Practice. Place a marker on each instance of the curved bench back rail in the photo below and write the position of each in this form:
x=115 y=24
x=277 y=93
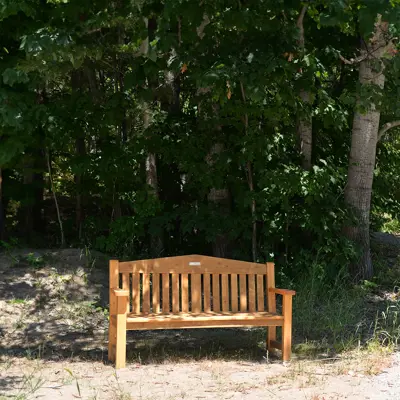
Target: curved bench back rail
x=194 y=284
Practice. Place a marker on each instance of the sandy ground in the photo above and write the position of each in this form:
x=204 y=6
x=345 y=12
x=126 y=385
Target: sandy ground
x=195 y=380
x=53 y=345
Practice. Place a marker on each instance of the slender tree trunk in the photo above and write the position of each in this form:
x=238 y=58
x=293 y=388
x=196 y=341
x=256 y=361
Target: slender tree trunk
x=219 y=199
x=250 y=182
x=31 y=210
x=80 y=148
x=156 y=241
x=77 y=82
x=304 y=121
x=55 y=199
x=304 y=131
x=363 y=151
x=2 y=211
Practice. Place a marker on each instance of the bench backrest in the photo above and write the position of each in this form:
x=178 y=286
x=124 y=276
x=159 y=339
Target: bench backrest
x=194 y=284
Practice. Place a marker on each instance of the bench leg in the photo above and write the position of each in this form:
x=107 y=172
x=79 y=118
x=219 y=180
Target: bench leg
x=120 y=345
x=112 y=336
x=271 y=336
x=120 y=353
x=287 y=328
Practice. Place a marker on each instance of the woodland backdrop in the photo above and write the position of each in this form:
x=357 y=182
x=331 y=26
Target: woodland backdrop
x=251 y=129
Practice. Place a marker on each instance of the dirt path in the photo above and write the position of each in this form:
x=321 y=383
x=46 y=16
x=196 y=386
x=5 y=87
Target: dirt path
x=195 y=380
x=53 y=343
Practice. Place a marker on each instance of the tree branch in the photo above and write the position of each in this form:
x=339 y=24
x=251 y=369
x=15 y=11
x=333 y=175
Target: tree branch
x=353 y=61
x=386 y=127
x=201 y=27
x=300 y=25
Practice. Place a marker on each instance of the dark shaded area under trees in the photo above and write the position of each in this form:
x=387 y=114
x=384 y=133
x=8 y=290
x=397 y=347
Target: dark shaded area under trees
x=156 y=128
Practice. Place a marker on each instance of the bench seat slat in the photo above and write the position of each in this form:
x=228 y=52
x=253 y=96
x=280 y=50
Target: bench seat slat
x=203 y=317
x=202 y=320
x=210 y=315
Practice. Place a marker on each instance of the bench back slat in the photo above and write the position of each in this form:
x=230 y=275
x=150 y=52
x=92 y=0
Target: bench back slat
x=225 y=292
x=196 y=293
x=155 y=285
x=175 y=293
x=216 y=303
x=243 y=292
x=185 y=292
x=207 y=292
x=135 y=293
x=146 y=294
x=234 y=292
x=252 y=292
x=260 y=293
x=196 y=290
x=165 y=294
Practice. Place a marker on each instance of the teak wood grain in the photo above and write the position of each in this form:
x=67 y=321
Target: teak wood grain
x=195 y=292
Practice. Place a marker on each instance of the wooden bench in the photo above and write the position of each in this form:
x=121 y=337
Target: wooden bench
x=195 y=292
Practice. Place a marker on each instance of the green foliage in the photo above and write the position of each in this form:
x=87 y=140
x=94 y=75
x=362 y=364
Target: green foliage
x=77 y=84
x=338 y=312
x=34 y=260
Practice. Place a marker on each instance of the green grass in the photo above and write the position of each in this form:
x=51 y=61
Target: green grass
x=17 y=301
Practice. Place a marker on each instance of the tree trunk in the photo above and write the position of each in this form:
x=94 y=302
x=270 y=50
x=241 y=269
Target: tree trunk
x=32 y=204
x=77 y=82
x=2 y=213
x=304 y=121
x=156 y=241
x=80 y=148
x=250 y=182
x=363 y=150
x=304 y=132
x=219 y=199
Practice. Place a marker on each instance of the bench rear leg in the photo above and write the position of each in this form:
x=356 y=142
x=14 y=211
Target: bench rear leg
x=112 y=329
x=112 y=336
x=271 y=336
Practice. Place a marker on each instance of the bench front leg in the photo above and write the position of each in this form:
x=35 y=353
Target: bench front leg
x=122 y=311
x=112 y=328
x=287 y=327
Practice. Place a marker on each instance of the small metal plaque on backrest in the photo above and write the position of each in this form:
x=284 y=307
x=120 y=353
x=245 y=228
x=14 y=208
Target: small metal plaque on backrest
x=194 y=263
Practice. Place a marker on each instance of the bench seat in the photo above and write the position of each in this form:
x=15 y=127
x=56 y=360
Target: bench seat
x=202 y=320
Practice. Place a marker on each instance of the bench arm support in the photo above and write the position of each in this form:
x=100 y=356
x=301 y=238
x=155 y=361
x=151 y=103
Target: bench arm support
x=286 y=344
x=122 y=300
x=120 y=292
x=283 y=292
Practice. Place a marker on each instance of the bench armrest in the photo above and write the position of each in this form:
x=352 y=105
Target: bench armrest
x=283 y=292
x=120 y=292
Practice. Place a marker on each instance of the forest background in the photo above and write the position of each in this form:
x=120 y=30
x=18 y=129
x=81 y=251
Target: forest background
x=257 y=130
